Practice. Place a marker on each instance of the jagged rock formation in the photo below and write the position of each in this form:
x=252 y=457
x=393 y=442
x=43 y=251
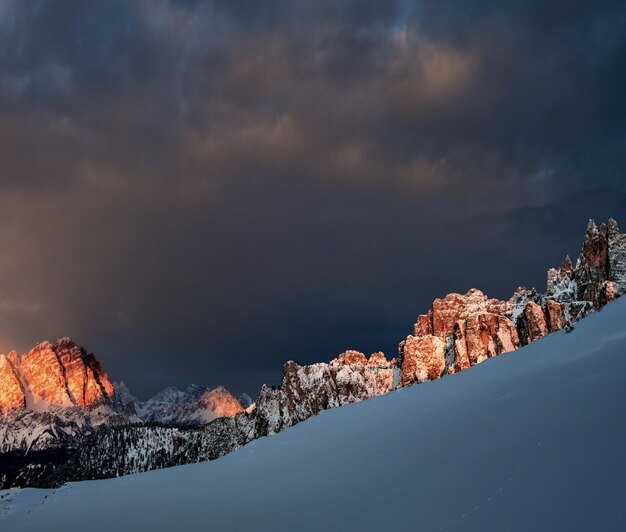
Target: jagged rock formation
x=459 y=331
x=61 y=374
x=616 y=241
x=593 y=265
x=456 y=333
x=307 y=390
x=482 y=336
x=556 y=316
x=462 y=330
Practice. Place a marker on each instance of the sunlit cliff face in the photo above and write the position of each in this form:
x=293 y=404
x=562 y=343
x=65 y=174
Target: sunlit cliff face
x=58 y=374
x=11 y=394
x=221 y=402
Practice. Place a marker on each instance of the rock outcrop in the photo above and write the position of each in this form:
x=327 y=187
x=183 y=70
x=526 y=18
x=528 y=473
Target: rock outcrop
x=307 y=390
x=532 y=324
x=423 y=359
x=350 y=357
x=444 y=313
x=593 y=264
x=485 y=335
x=461 y=330
x=556 y=316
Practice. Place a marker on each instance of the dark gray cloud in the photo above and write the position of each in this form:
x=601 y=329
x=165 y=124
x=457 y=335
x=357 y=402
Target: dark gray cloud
x=199 y=191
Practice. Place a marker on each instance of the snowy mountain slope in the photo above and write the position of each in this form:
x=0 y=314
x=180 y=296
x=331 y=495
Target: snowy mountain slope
x=530 y=440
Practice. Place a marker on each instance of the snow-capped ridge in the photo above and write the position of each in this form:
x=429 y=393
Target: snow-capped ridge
x=456 y=333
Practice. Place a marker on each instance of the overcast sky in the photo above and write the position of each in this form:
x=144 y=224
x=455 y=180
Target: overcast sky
x=200 y=191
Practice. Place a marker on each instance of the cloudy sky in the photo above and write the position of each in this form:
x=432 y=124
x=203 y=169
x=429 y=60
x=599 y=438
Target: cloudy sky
x=200 y=191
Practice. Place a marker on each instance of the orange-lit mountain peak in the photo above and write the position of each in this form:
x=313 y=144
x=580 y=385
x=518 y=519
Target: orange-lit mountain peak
x=221 y=402
x=52 y=374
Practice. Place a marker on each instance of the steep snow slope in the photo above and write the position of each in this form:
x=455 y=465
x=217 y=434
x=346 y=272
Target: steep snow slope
x=530 y=440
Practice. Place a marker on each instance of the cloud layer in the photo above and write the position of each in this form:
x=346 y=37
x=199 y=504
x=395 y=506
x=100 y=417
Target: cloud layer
x=199 y=191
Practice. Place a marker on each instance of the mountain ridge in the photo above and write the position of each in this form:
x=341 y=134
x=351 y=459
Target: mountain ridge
x=531 y=440
x=457 y=332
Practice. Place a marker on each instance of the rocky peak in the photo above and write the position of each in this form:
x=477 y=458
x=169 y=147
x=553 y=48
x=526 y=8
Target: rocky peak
x=350 y=357
x=378 y=360
x=592 y=267
x=445 y=312
x=59 y=374
x=221 y=402
x=567 y=268
x=563 y=274
x=44 y=377
x=617 y=257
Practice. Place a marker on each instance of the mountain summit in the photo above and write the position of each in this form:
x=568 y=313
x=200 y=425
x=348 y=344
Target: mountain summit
x=61 y=374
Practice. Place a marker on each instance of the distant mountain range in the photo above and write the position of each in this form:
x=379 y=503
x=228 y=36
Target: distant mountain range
x=61 y=419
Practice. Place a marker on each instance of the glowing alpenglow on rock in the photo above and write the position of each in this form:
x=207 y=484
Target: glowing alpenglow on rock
x=11 y=393
x=471 y=328
x=59 y=374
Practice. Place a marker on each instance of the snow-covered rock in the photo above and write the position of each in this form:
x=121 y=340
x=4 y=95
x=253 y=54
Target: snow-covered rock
x=307 y=390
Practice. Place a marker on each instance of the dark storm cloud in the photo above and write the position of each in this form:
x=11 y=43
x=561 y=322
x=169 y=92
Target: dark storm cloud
x=199 y=191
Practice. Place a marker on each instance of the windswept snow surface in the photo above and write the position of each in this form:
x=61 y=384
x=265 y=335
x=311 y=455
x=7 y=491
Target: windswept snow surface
x=530 y=440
